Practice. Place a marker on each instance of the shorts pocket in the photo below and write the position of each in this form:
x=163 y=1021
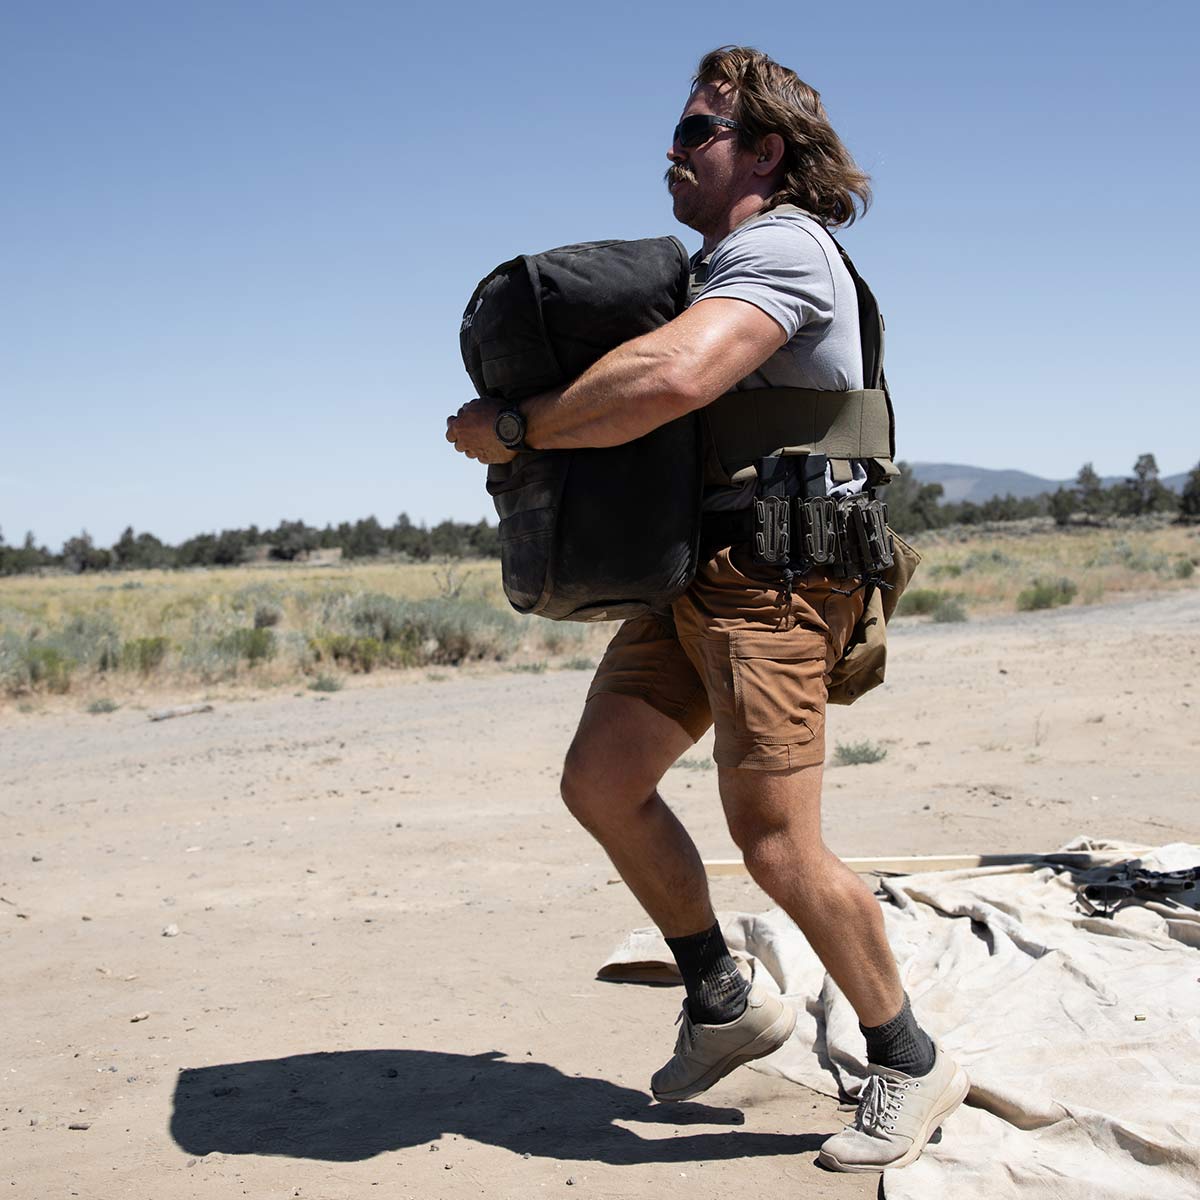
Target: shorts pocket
x=778 y=685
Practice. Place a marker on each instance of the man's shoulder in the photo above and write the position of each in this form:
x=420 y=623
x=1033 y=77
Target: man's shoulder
x=790 y=238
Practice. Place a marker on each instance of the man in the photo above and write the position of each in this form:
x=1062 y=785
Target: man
x=744 y=648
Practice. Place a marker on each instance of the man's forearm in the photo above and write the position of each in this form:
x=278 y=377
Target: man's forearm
x=635 y=388
x=652 y=379
x=630 y=391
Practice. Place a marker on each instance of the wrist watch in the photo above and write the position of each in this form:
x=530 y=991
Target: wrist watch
x=510 y=429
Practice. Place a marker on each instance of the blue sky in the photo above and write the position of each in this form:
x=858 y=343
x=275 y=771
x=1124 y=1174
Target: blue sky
x=238 y=238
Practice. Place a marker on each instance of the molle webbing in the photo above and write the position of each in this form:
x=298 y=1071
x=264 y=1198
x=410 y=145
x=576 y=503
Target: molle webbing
x=746 y=426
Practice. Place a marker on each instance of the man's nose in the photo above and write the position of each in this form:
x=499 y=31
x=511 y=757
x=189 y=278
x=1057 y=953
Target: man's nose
x=675 y=155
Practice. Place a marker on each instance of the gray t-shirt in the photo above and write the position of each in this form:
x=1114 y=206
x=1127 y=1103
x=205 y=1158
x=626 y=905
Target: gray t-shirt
x=785 y=264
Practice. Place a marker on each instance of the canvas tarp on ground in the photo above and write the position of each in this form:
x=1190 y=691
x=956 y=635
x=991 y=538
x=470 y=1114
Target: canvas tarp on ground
x=1081 y=1034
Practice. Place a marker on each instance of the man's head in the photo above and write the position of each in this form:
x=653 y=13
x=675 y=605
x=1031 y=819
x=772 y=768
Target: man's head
x=775 y=146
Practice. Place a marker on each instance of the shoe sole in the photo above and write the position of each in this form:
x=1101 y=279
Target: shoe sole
x=960 y=1085
x=766 y=1043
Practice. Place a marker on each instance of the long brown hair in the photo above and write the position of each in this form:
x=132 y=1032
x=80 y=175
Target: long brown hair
x=819 y=174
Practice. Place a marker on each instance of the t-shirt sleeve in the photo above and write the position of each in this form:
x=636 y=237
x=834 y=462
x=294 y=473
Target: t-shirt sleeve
x=778 y=267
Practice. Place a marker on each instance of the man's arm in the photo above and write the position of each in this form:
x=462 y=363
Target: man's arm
x=642 y=384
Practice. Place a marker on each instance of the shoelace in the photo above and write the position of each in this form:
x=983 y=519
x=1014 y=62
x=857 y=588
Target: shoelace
x=879 y=1104
x=683 y=1043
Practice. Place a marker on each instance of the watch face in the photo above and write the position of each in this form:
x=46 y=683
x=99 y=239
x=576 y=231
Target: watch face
x=510 y=429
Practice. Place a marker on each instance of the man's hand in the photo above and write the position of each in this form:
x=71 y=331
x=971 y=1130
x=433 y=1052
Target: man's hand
x=472 y=430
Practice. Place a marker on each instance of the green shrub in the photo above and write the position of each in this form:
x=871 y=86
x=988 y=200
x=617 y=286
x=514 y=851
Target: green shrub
x=850 y=754
x=557 y=636
x=1046 y=593
x=26 y=664
x=949 y=610
x=986 y=560
x=1133 y=557
x=579 y=664
x=266 y=615
x=49 y=666
x=949 y=570
x=918 y=602
x=384 y=618
x=254 y=645
x=144 y=654
x=533 y=668
x=353 y=653
x=441 y=630
x=92 y=641
x=1184 y=568
x=103 y=705
x=325 y=683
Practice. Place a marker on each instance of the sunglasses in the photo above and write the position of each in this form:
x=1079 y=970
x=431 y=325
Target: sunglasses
x=695 y=130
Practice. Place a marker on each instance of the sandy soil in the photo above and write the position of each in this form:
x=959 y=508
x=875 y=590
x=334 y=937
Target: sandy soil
x=387 y=928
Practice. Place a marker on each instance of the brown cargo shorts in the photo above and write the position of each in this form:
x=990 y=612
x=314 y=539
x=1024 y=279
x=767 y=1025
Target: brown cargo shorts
x=734 y=652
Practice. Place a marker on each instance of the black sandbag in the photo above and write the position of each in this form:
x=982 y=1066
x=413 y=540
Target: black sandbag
x=539 y=320
x=594 y=534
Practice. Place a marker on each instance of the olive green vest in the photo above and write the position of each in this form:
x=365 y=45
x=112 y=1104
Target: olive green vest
x=742 y=427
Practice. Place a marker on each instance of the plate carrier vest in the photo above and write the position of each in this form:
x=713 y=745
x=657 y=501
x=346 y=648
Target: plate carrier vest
x=741 y=427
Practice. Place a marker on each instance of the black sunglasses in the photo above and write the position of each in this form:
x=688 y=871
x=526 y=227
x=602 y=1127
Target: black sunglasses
x=695 y=130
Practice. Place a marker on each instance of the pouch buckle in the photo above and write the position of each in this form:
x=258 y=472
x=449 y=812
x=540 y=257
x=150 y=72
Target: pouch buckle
x=818 y=530
x=772 y=529
x=877 y=545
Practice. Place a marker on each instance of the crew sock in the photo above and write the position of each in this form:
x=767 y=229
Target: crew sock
x=900 y=1044
x=716 y=990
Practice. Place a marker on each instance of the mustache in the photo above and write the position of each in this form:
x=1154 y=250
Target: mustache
x=677 y=173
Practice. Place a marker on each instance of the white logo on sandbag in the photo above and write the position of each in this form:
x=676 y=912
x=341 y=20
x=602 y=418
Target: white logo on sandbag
x=466 y=321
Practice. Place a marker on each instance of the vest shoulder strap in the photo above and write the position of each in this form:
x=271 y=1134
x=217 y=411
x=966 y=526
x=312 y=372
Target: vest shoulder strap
x=743 y=427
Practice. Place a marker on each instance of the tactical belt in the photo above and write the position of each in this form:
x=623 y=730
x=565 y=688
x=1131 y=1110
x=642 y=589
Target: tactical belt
x=846 y=537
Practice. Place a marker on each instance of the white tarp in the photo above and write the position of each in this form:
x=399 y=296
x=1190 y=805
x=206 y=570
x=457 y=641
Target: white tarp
x=1081 y=1034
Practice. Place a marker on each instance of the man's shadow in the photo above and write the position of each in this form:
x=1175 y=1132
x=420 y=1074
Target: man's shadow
x=354 y=1104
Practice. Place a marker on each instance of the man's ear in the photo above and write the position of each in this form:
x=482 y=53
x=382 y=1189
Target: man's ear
x=770 y=155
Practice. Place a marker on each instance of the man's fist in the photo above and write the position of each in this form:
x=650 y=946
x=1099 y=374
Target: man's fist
x=472 y=431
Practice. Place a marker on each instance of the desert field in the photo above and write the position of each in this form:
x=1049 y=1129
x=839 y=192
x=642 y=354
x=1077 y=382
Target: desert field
x=318 y=941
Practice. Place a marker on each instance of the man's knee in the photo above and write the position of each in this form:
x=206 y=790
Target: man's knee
x=777 y=849
x=580 y=787
x=598 y=787
x=620 y=752
x=769 y=853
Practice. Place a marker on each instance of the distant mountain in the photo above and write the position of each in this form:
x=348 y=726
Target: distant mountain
x=978 y=484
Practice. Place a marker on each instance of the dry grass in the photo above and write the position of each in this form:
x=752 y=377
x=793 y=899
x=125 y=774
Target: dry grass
x=988 y=569
x=130 y=632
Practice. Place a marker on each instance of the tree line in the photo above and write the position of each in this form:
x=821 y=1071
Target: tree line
x=912 y=507
x=289 y=541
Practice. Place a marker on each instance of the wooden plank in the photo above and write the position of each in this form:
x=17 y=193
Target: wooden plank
x=916 y=863
x=183 y=710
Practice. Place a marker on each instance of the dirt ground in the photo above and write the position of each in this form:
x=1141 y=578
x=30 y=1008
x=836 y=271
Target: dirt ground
x=309 y=946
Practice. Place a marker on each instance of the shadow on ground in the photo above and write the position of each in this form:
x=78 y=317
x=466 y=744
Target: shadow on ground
x=354 y=1104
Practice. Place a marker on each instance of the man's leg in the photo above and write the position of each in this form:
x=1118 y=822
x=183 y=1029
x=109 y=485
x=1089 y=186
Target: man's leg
x=623 y=747
x=610 y=783
x=775 y=819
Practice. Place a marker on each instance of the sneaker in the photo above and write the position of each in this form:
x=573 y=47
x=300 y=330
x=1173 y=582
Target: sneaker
x=897 y=1114
x=706 y=1053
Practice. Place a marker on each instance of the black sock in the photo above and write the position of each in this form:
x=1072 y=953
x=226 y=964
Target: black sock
x=716 y=989
x=900 y=1044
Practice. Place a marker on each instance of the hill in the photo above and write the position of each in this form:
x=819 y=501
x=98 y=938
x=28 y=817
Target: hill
x=977 y=484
